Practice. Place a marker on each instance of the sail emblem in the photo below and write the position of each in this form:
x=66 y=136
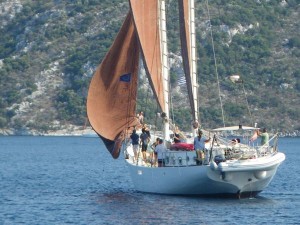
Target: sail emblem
x=125 y=77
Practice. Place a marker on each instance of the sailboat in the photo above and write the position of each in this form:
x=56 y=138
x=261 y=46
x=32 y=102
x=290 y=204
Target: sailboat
x=242 y=170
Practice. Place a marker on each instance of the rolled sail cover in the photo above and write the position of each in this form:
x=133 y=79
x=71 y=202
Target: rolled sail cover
x=111 y=100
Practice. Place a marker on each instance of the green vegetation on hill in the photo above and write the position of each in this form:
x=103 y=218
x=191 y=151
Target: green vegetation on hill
x=257 y=39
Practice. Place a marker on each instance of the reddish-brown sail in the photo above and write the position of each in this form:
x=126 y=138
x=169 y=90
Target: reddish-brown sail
x=146 y=20
x=111 y=101
x=185 y=37
x=112 y=94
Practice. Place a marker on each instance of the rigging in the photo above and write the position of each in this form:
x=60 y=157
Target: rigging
x=215 y=61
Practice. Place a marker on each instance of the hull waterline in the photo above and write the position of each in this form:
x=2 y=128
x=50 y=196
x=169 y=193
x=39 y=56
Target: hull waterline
x=202 y=180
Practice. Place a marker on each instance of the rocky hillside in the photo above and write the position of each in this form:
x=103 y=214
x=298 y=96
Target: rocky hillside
x=50 y=49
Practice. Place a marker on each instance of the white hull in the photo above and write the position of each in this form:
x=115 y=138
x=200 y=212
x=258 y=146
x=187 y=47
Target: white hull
x=234 y=178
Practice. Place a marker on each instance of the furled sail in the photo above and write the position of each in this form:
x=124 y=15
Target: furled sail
x=188 y=50
x=146 y=19
x=111 y=101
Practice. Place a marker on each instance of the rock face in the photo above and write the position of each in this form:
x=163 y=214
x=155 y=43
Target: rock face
x=7 y=132
x=8 y=9
x=52 y=49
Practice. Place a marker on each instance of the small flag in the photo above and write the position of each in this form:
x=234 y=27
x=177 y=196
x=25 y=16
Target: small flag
x=125 y=77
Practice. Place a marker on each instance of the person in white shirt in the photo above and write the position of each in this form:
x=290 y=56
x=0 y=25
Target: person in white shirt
x=199 y=146
x=160 y=150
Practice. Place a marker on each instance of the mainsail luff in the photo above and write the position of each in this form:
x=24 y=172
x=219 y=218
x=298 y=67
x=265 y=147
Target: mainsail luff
x=111 y=101
x=188 y=50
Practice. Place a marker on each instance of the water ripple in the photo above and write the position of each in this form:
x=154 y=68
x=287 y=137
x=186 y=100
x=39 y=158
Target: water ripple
x=46 y=180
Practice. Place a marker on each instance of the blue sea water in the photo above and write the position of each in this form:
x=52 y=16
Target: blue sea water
x=73 y=180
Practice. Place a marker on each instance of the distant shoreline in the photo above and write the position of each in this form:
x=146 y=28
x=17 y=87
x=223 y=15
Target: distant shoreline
x=89 y=132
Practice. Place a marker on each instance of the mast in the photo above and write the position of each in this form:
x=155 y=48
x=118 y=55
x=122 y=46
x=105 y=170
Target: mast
x=165 y=66
x=193 y=61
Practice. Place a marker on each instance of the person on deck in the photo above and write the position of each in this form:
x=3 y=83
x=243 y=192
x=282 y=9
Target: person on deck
x=135 y=143
x=235 y=142
x=199 y=145
x=264 y=136
x=153 y=146
x=141 y=117
x=160 y=150
x=177 y=135
x=144 y=138
x=145 y=126
x=155 y=143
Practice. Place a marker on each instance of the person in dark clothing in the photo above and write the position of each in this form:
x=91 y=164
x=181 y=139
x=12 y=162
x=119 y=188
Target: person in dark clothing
x=177 y=135
x=135 y=143
x=144 y=138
